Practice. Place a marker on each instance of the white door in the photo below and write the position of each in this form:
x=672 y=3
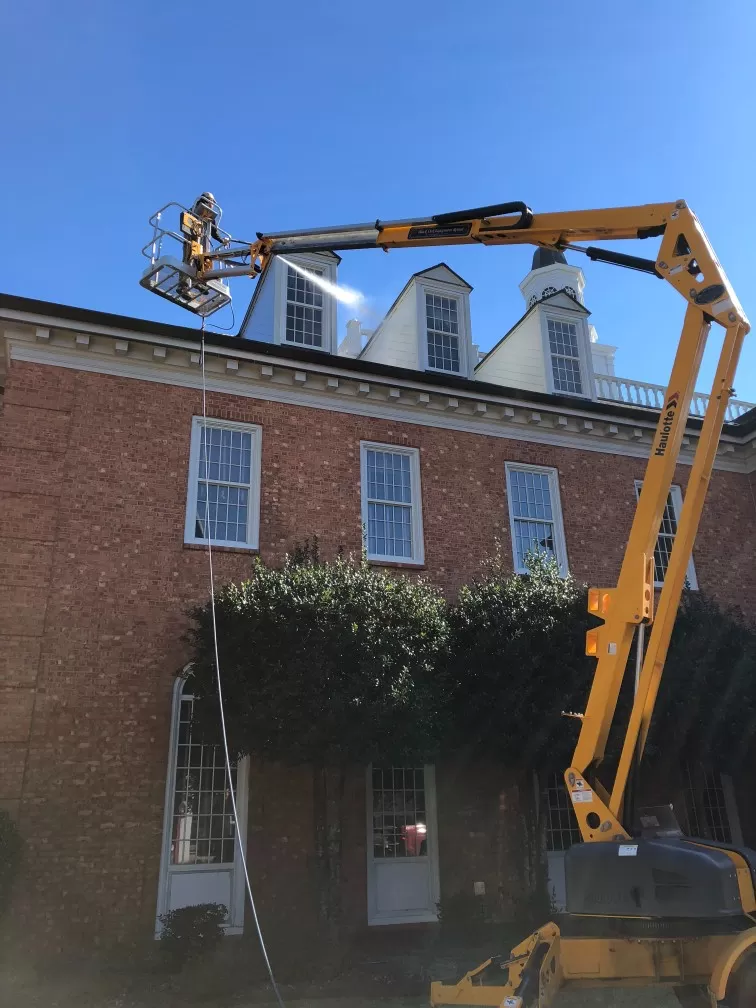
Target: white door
x=200 y=859
x=402 y=845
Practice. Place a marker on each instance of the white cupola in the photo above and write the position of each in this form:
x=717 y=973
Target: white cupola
x=549 y=274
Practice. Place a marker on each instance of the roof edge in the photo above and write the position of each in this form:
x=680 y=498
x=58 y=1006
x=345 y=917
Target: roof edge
x=742 y=427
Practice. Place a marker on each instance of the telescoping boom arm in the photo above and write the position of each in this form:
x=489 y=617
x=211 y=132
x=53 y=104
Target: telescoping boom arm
x=687 y=262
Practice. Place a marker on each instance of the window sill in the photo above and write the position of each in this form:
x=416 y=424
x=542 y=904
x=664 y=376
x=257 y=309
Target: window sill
x=223 y=549
x=459 y=373
x=304 y=346
x=408 y=564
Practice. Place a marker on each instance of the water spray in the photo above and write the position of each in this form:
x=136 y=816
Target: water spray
x=343 y=294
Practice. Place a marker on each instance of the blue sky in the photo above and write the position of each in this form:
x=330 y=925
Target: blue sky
x=336 y=111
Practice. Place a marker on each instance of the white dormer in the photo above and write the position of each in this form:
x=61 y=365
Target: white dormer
x=428 y=326
x=289 y=309
x=549 y=348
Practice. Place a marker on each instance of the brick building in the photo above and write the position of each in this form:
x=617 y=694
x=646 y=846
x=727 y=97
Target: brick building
x=438 y=450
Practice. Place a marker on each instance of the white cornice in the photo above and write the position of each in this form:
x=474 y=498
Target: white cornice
x=326 y=386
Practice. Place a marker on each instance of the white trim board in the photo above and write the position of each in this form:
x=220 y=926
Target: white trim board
x=184 y=377
x=560 y=540
x=415 y=505
x=331 y=368
x=253 y=487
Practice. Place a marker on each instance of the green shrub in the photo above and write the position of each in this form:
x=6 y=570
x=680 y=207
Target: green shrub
x=192 y=932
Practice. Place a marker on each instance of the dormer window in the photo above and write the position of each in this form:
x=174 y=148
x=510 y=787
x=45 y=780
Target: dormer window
x=565 y=356
x=304 y=309
x=442 y=323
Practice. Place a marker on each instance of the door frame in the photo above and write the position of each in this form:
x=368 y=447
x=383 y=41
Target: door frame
x=430 y=916
x=235 y=925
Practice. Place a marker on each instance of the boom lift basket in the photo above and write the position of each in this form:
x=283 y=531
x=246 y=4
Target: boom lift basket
x=175 y=280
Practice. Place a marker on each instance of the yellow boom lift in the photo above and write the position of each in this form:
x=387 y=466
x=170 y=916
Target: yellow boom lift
x=658 y=909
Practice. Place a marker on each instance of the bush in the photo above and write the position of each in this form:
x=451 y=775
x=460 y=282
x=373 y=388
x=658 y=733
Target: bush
x=328 y=663
x=10 y=858
x=192 y=932
x=517 y=661
x=706 y=708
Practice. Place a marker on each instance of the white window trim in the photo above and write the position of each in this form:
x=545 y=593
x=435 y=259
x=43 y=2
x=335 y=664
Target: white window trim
x=253 y=516
x=462 y=298
x=328 y=271
x=418 y=555
x=560 y=544
x=235 y=925
x=584 y=349
x=375 y=917
x=677 y=502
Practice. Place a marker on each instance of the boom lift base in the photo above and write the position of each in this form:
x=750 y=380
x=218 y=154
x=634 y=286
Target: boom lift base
x=698 y=967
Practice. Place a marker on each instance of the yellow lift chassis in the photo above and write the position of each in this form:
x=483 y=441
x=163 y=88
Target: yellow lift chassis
x=697 y=936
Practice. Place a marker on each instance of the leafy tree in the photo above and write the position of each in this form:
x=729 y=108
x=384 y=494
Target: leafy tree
x=332 y=663
x=706 y=708
x=336 y=663
x=329 y=664
x=517 y=661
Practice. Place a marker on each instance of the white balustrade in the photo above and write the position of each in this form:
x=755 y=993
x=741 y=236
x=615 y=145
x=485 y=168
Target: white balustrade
x=651 y=396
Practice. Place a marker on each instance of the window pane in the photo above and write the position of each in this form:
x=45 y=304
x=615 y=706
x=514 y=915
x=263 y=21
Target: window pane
x=532 y=537
x=531 y=494
x=224 y=453
x=562 y=829
x=714 y=808
x=388 y=476
x=399 y=820
x=666 y=538
x=389 y=530
x=202 y=810
x=304 y=310
x=565 y=356
x=443 y=332
x=225 y=509
x=566 y=374
x=563 y=338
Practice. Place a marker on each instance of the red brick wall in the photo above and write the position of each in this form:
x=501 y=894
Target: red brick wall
x=95 y=582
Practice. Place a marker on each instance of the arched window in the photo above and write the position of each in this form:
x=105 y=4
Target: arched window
x=200 y=860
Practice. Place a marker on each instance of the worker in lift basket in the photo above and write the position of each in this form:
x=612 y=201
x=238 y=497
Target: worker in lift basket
x=204 y=209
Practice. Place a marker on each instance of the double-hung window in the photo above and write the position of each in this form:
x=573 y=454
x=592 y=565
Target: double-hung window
x=391 y=505
x=564 y=348
x=304 y=309
x=535 y=516
x=442 y=327
x=666 y=537
x=223 y=499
